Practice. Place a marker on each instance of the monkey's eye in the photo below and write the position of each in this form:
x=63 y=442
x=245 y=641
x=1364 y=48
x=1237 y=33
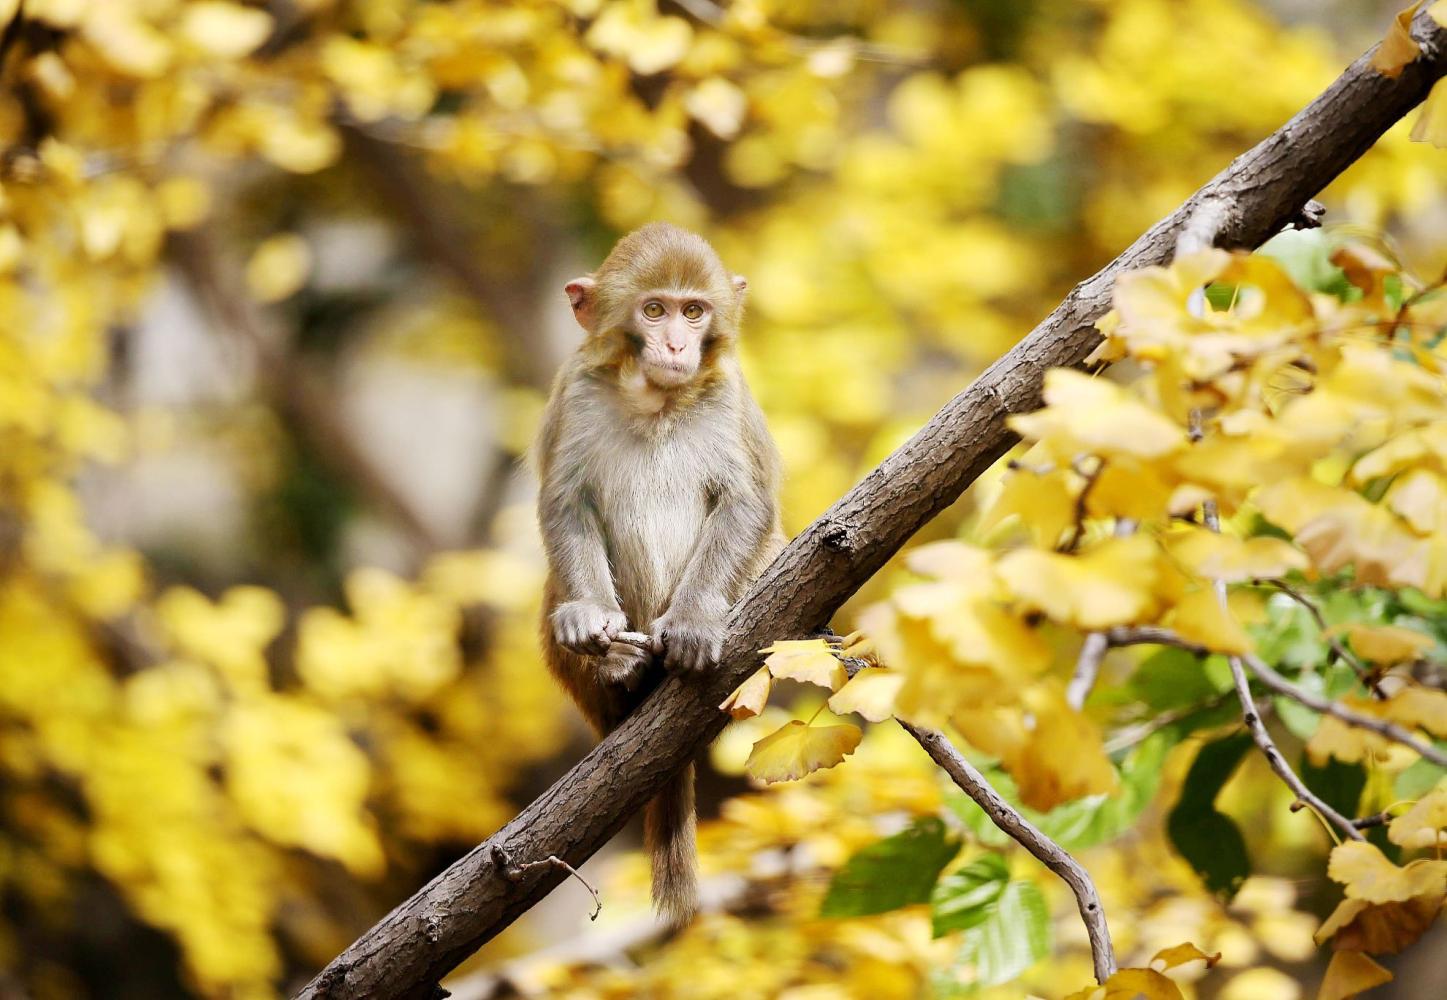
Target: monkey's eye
x=693 y=310
x=653 y=310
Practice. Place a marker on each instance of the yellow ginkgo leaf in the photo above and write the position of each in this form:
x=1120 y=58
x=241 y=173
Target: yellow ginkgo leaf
x=1096 y=416
x=1200 y=618
x=228 y=30
x=279 y=267
x=799 y=749
x=1368 y=875
x=1350 y=973
x=1063 y=759
x=957 y=562
x=1420 y=497
x=976 y=631
x=648 y=42
x=1044 y=505
x=1348 y=744
x=1438 y=12
x=1417 y=707
x=1233 y=560
x=750 y=697
x=1398 y=48
x=808 y=660
x=869 y=693
x=1338 y=528
x=1378 y=928
x=719 y=104
x=1110 y=584
x=1388 y=644
x=1424 y=823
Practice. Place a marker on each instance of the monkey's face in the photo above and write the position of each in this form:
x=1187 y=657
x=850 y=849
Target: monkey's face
x=667 y=330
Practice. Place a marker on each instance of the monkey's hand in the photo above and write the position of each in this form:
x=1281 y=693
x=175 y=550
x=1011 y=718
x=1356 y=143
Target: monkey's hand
x=586 y=628
x=624 y=665
x=689 y=641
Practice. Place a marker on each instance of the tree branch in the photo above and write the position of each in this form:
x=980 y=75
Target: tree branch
x=1025 y=833
x=411 y=948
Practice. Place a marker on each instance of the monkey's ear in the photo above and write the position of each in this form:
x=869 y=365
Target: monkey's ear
x=582 y=297
x=741 y=285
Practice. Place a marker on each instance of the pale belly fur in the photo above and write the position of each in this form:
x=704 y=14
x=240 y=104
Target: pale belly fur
x=652 y=520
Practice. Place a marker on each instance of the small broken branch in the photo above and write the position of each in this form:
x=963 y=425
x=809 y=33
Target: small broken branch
x=1025 y=833
x=515 y=873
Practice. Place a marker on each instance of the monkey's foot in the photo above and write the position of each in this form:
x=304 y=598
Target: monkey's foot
x=624 y=666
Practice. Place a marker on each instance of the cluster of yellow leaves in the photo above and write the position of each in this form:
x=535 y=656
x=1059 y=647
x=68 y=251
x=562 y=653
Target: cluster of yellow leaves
x=1387 y=906
x=1150 y=982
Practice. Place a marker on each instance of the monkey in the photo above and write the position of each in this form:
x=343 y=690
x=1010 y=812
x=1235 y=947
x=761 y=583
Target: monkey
x=658 y=499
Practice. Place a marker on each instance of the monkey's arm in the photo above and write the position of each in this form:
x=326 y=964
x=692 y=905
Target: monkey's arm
x=743 y=521
x=588 y=615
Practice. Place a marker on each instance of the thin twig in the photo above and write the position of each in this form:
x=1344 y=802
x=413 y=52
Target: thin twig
x=514 y=873
x=1383 y=728
x=1087 y=668
x=1341 y=652
x=1375 y=819
x=1025 y=833
x=1252 y=717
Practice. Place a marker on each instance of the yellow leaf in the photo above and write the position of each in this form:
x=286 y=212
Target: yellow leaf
x=1349 y=973
x=127 y=42
x=1234 y=560
x=1420 y=497
x=279 y=267
x=799 y=749
x=1422 y=825
x=1338 y=528
x=1126 y=487
x=1378 y=928
x=750 y=697
x=1131 y=984
x=1043 y=504
x=1096 y=416
x=1109 y=584
x=1398 y=48
x=870 y=693
x=1169 y=958
x=648 y=42
x=1200 y=618
x=1388 y=644
x=1438 y=12
x=975 y=630
x=228 y=30
x=1417 y=707
x=955 y=561
x=1063 y=759
x=1367 y=874
x=807 y=660
x=719 y=105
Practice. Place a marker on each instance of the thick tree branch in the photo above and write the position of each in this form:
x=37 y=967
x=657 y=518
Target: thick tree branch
x=411 y=948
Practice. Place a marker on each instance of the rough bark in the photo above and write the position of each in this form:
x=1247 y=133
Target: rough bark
x=410 y=949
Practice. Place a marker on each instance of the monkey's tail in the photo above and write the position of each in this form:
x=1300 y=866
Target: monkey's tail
x=668 y=833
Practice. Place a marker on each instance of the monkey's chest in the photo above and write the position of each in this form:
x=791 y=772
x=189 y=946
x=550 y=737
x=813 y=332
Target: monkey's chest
x=653 y=503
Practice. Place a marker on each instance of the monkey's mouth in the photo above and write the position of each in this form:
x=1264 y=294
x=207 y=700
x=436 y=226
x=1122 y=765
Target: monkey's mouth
x=668 y=374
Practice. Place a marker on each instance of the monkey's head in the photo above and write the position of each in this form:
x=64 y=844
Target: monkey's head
x=662 y=300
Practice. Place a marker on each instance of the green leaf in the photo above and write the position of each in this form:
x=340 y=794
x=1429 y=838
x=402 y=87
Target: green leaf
x=1305 y=254
x=1339 y=784
x=1419 y=778
x=1207 y=838
x=897 y=871
x=1084 y=822
x=1301 y=721
x=1171 y=678
x=1014 y=935
x=962 y=899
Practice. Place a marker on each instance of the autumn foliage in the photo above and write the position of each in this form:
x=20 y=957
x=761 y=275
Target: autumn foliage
x=268 y=659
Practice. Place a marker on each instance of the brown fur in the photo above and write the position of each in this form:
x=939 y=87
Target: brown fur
x=658 y=508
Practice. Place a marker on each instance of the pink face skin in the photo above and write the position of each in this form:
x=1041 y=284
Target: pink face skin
x=671 y=327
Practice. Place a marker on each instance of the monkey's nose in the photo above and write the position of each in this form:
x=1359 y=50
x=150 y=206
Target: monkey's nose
x=676 y=348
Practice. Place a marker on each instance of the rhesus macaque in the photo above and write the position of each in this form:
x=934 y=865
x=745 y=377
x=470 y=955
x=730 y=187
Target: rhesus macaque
x=658 y=503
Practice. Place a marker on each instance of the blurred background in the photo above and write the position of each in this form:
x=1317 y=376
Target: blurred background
x=280 y=300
